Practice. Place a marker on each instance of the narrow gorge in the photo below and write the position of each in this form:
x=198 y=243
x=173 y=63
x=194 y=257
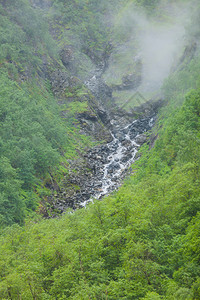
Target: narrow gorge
x=103 y=168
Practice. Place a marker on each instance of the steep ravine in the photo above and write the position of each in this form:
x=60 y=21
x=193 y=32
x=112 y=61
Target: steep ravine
x=107 y=166
x=102 y=169
x=96 y=78
x=110 y=162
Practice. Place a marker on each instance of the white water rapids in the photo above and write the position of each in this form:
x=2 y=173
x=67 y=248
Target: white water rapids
x=118 y=157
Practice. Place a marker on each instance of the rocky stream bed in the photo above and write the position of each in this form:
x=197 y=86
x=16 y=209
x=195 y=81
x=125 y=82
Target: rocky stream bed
x=102 y=169
x=110 y=162
x=107 y=165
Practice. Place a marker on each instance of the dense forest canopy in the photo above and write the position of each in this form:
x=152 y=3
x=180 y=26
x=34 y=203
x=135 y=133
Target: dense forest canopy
x=140 y=242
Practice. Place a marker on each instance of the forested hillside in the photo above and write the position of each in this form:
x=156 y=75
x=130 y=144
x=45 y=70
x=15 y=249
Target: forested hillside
x=139 y=242
x=40 y=98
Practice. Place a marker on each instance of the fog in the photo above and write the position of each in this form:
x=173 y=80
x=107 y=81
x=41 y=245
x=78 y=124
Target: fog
x=160 y=40
x=160 y=49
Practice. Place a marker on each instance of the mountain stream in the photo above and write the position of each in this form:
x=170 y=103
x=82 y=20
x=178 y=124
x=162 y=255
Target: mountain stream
x=110 y=162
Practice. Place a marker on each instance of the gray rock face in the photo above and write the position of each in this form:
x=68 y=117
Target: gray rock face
x=59 y=81
x=132 y=80
x=66 y=55
x=99 y=88
x=129 y=82
x=149 y=106
x=187 y=56
x=94 y=125
x=141 y=139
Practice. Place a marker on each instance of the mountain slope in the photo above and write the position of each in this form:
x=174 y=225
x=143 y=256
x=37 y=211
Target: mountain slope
x=41 y=99
x=142 y=241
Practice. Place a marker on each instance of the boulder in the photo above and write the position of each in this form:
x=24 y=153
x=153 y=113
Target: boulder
x=66 y=56
x=141 y=139
x=59 y=81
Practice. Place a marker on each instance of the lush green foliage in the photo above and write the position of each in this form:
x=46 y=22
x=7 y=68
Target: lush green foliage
x=140 y=243
x=34 y=138
x=24 y=36
x=88 y=24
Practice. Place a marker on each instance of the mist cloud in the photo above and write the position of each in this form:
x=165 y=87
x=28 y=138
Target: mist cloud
x=160 y=40
x=160 y=46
